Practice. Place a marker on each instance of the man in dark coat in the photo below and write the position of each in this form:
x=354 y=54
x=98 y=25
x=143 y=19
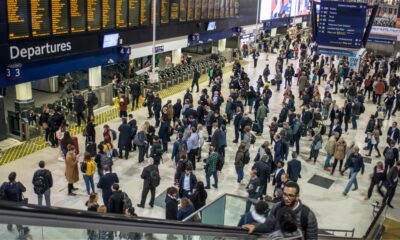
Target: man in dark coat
x=263 y=173
x=216 y=136
x=157 y=105
x=253 y=189
x=105 y=183
x=187 y=183
x=236 y=122
x=133 y=124
x=147 y=184
x=125 y=138
x=171 y=204
x=91 y=102
x=79 y=107
x=135 y=92
x=196 y=77
x=116 y=202
x=294 y=168
x=149 y=101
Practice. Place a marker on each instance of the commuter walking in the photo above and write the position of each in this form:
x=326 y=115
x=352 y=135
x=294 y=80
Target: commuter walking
x=106 y=182
x=199 y=196
x=42 y=183
x=193 y=144
x=171 y=203
x=392 y=180
x=196 y=77
x=263 y=169
x=135 y=92
x=151 y=180
x=356 y=164
x=149 y=102
x=79 y=107
x=141 y=142
x=253 y=189
x=239 y=162
x=211 y=168
x=91 y=102
x=294 y=168
x=391 y=154
x=339 y=154
x=124 y=138
x=116 y=202
x=377 y=179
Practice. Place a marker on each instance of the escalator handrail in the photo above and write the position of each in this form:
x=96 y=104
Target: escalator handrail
x=63 y=217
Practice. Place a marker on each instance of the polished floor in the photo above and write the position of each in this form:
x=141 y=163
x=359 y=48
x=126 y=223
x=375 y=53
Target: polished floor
x=332 y=209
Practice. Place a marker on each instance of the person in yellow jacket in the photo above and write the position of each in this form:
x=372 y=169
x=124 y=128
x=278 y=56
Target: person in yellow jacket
x=88 y=168
x=116 y=102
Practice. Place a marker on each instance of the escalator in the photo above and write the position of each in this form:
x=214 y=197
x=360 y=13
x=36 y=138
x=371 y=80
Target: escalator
x=218 y=219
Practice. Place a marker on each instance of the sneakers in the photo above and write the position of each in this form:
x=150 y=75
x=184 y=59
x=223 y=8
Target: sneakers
x=355 y=189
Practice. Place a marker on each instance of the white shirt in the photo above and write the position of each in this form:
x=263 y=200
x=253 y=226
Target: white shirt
x=186 y=183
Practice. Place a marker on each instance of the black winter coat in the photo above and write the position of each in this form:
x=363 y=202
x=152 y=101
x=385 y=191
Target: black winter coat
x=125 y=134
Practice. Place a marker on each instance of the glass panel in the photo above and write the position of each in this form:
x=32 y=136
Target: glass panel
x=234 y=209
x=214 y=213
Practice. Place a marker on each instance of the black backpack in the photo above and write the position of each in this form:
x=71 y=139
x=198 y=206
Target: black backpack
x=39 y=183
x=114 y=134
x=83 y=166
x=155 y=178
x=246 y=159
x=3 y=195
x=127 y=202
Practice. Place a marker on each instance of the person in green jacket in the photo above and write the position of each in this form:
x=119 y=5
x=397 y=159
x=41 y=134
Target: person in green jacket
x=211 y=167
x=239 y=162
x=261 y=114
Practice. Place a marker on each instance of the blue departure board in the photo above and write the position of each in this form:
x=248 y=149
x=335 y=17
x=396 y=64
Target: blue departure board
x=341 y=24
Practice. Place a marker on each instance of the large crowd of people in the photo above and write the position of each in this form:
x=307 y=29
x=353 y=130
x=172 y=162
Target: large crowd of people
x=197 y=130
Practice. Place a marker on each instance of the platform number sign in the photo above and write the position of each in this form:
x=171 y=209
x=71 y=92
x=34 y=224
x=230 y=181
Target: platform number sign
x=125 y=51
x=13 y=71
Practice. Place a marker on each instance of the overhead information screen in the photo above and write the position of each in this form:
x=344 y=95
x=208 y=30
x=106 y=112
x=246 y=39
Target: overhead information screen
x=59 y=17
x=164 y=11
x=78 y=15
x=190 y=10
x=210 y=9
x=197 y=10
x=341 y=24
x=204 y=9
x=93 y=15
x=18 y=22
x=40 y=17
x=121 y=15
x=182 y=10
x=232 y=8
x=145 y=12
x=108 y=14
x=216 y=8
x=134 y=13
x=174 y=17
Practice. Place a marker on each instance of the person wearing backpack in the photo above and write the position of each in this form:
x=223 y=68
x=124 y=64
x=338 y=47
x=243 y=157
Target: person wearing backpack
x=12 y=191
x=156 y=150
x=116 y=201
x=151 y=177
x=88 y=168
x=391 y=154
x=102 y=159
x=42 y=182
x=178 y=148
x=304 y=216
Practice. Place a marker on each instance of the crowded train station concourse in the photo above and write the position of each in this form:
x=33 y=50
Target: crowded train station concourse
x=199 y=119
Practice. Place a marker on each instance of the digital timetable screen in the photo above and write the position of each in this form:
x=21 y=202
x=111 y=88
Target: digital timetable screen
x=46 y=18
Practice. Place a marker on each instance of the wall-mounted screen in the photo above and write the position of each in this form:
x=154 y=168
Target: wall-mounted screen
x=110 y=40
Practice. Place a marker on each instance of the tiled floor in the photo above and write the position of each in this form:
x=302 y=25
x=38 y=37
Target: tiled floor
x=332 y=209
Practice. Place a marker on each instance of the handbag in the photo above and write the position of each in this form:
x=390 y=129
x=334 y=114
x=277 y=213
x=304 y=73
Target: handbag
x=318 y=146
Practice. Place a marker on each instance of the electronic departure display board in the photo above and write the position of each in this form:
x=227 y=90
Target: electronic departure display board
x=204 y=9
x=190 y=10
x=237 y=4
x=157 y=12
x=210 y=9
x=108 y=14
x=221 y=8
x=231 y=8
x=78 y=15
x=40 y=18
x=197 y=10
x=121 y=14
x=93 y=15
x=174 y=14
x=216 y=8
x=341 y=24
x=59 y=17
x=164 y=11
x=134 y=13
x=18 y=22
x=145 y=6
x=182 y=10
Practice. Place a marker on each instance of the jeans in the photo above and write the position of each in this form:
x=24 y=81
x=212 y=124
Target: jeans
x=354 y=120
x=215 y=176
x=236 y=133
x=353 y=180
x=46 y=197
x=239 y=172
x=89 y=183
x=389 y=109
x=260 y=126
x=327 y=160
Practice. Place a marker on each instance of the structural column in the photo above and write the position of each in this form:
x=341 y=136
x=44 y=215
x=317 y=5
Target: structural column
x=24 y=100
x=222 y=45
x=176 y=56
x=95 y=77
